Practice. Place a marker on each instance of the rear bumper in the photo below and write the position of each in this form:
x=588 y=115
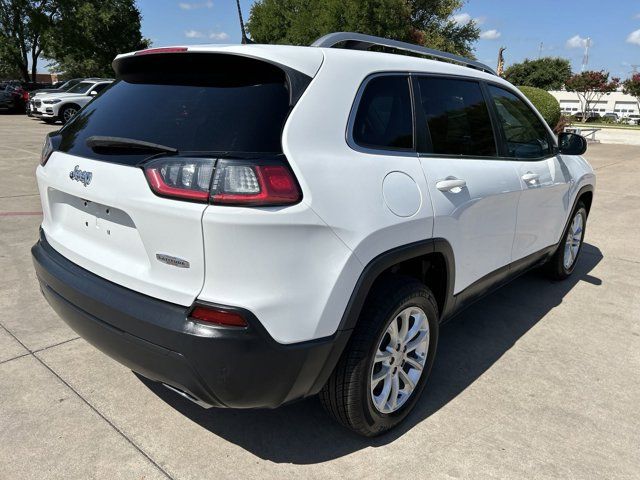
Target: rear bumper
x=227 y=367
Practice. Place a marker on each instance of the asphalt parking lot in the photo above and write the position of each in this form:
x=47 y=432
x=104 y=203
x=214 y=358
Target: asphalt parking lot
x=539 y=380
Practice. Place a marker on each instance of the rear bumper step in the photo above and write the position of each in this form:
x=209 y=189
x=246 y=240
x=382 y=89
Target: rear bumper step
x=216 y=366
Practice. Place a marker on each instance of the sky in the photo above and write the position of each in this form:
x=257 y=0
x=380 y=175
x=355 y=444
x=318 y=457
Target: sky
x=562 y=26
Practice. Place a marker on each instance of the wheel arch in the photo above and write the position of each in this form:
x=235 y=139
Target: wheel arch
x=430 y=261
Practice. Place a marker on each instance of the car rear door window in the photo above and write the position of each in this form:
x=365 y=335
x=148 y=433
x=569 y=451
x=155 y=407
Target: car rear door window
x=384 y=119
x=455 y=118
x=525 y=134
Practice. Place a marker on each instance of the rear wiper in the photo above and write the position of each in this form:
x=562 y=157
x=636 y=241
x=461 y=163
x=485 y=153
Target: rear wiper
x=102 y=143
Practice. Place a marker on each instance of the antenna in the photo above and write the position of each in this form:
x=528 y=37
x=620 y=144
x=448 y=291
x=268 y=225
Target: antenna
x=585 y=59
x=245 y=40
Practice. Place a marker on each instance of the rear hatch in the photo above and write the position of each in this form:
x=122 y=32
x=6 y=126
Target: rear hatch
x=99 y=209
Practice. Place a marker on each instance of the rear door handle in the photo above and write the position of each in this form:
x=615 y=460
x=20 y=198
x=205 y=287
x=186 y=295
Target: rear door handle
x=450 y=183
x=530 y=177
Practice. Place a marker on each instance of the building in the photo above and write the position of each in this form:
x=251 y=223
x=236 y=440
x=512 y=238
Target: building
x=614 y=102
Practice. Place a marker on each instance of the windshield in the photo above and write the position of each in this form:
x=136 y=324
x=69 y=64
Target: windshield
x=68 y=84
x=82 y=87
x=237 y=105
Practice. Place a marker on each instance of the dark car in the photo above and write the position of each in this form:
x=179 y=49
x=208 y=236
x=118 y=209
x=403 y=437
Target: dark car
x=12 y=98
x=58 y=87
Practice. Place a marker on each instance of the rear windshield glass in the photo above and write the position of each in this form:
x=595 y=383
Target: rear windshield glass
x=191 y=102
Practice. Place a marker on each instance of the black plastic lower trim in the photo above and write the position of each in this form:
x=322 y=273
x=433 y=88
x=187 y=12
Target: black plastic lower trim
x=232 y=367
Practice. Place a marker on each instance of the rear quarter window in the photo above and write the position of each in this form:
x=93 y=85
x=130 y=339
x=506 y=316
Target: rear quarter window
x=384 y=119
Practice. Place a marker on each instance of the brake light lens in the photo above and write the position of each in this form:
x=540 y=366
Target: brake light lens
x=264 y=182
x=181 y=177
x=150 y=51
x=254 y=184
x=218 y=317
x=47 y=149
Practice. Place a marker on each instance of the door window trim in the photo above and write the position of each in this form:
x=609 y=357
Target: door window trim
x=412 y=77
x=499 y=130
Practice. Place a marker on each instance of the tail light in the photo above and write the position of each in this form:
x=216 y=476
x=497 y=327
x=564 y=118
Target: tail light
x=218 y=317
x=51 y=142
x=264 y=182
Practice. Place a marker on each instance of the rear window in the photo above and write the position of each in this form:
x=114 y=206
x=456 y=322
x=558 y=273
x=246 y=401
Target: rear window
x=196 y=103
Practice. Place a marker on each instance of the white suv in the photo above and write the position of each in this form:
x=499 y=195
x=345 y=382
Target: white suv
x=255 y=224
x=62 y=106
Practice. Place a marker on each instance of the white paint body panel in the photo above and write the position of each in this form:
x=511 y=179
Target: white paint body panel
x=296 y=267
x=122 y=248
x=479 y=220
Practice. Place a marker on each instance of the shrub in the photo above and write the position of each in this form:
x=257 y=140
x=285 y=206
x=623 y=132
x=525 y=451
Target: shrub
x=546 y=104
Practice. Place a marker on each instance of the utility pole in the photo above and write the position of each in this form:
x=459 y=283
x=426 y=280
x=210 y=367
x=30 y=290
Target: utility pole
x=540 y=50
x=585 y=59
x=245 y=40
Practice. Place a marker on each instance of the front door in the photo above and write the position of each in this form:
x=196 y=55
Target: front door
x=543 y=207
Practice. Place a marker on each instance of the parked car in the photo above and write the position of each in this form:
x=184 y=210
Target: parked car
x=47 y=91
x=591 y=116
x=251 y=225
x=63 y=106
x=611 y=116
x=12 y=98
x=632 y=119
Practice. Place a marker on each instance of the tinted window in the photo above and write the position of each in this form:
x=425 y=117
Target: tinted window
x=457 y=117
x=525 y=134
x=81 y=87
x=384 y=118
x=202 y=103
x=98 y=88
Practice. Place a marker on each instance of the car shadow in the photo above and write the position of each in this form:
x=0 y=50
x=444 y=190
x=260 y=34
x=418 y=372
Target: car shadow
x=302 y=433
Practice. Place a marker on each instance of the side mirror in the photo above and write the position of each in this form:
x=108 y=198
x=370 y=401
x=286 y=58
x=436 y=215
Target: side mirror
x=93 y=93
x=572 y=143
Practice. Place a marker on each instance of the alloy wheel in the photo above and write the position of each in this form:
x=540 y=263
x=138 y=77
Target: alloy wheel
x=400 y=359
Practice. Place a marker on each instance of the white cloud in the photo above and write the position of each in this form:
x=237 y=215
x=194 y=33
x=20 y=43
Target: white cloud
x=577 y=42
x=492 y=34
x=195 y=6
x=194 y=34
x=634 y=37
x=463 y=18
x=219 y=36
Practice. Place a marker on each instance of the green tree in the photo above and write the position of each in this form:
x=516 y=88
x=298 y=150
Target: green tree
x=631 y=86
x=544 y=102
x=425 y=22
x=591 y=86
x=547 y=73
x=24 y=26
x=88 y=34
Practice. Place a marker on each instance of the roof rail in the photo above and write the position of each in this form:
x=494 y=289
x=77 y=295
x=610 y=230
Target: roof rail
x=359 y=41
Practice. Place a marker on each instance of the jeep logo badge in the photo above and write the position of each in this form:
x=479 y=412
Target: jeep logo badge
x=80 y=176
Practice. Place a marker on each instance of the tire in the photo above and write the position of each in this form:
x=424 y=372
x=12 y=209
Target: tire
x=564 y=260
x=348 y=395
x=67 y=113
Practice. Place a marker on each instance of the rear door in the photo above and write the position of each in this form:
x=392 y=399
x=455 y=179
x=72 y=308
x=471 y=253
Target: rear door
x=474 y=192
x=543 y=207
x=99 y=209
